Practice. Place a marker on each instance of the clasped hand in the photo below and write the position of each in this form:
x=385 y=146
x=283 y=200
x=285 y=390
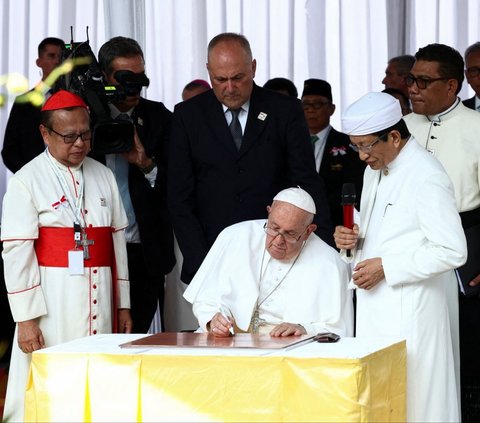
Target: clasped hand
x=367 y=273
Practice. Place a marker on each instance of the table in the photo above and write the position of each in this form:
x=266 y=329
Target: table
x=92 y=379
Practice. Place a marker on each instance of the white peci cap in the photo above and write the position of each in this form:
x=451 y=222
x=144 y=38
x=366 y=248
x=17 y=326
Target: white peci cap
x=371 y=114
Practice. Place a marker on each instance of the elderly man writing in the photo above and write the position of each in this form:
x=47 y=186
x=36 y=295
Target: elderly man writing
x=273 y=276
x=62 y=231
x=405 y=249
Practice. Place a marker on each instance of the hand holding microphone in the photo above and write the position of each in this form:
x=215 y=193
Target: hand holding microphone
x=346 y=235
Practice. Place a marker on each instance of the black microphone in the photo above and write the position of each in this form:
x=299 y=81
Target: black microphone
x=348 y=203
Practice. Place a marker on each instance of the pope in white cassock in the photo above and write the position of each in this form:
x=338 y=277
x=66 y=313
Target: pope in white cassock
x=273 y=276
x=63 y=238
x=405 y=248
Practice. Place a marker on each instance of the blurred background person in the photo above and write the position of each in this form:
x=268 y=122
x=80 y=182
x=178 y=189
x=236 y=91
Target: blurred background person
x=397 y=69
x=401 y=97
x=282 y=85
x=22 y=141
x=195 y=87
x=472 y=73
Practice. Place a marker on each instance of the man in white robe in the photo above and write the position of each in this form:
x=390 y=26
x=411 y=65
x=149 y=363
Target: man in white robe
x=273 y=276
x=59 y=289
x=405 y=249
x=451 y=132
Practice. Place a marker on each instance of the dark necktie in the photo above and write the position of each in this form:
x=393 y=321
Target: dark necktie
x=313 y=140
x=236 y=128
x=123 y=117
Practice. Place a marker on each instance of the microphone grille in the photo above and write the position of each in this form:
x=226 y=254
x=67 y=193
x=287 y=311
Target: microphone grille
x=348 y=193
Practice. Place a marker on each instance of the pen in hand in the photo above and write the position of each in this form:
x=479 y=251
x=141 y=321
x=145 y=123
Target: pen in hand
x=228 y=316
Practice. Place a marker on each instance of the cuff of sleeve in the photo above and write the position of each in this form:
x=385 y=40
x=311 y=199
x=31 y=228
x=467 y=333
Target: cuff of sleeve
x=343 y=255
x=147 y=169
x=27 y=305
x=123 y=293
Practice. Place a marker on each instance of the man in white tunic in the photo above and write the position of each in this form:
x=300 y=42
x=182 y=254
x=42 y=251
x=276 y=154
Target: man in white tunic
x=404 y=250
x=273 y=276
x=64 y=246
x=451 y=132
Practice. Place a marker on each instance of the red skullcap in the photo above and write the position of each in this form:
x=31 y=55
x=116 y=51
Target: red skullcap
x=62 y=100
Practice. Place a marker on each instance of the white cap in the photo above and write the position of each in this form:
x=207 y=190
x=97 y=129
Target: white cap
x=298 y=197
x=371 y=113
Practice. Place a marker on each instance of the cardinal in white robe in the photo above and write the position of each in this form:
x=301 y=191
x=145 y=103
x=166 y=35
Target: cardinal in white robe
x=64 y=245
x=273 y=277
x=405 y=248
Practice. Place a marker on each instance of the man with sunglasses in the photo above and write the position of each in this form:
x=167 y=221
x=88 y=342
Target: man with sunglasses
x=407 y=243
x=273 y=277
x=450 y=132
x=141 y=178
x=64 y=245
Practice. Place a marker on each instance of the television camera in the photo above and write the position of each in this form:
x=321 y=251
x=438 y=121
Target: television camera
x=86 y=80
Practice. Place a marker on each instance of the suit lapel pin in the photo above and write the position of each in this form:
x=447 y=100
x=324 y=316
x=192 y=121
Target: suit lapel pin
x=262 y=116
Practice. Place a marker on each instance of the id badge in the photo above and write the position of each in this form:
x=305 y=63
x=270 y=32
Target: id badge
x=75 y=262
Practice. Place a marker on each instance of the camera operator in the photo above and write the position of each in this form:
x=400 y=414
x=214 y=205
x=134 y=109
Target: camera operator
x=140 y=174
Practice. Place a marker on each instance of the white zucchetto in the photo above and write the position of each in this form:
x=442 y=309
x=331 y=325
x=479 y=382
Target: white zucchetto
x=298 y=197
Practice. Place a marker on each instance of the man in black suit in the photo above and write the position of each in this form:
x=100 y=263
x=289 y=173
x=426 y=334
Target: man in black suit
x=472 y=73
x=141 y=176
x=22 y=140
x=335 y=159
x=231 y=150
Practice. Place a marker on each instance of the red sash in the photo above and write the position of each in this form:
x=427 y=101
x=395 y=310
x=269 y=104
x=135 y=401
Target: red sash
x=53 y=244
x=52 y=248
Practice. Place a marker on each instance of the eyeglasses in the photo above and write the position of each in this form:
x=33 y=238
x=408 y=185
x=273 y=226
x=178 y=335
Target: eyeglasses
x=316 y=105
x=291 y=239
x=473 y=71
x=367 y=148
x=423 y=82
x=71 y=138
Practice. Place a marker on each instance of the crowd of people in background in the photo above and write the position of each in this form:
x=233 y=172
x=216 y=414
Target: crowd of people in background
x=256 y=173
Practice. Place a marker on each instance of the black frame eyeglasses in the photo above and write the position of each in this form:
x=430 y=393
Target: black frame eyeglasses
x=315 y=105
x=422 y=82
x=72 y=138
x=367 y=148
x=287 y=237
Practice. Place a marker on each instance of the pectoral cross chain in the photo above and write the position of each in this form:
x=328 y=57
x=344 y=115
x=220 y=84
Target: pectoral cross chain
x=84 y=243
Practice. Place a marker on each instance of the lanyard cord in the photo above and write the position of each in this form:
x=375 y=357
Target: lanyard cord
x=74 y=206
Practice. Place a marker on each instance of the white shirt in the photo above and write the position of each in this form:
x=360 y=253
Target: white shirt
x=242 y=116
x=319 y=146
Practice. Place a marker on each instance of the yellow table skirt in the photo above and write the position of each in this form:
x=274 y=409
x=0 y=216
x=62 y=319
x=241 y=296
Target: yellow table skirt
x=141 y=387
